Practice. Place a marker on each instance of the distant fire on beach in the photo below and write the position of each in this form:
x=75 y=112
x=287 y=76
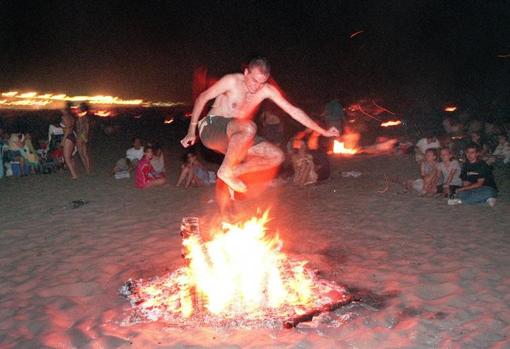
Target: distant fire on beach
x=239 y=277
x=34 y=100
x=391 y=123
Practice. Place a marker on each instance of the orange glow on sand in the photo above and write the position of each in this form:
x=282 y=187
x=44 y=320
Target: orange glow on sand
x=391 y=123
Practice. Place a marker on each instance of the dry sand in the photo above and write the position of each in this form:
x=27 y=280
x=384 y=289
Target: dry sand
x=431 y=276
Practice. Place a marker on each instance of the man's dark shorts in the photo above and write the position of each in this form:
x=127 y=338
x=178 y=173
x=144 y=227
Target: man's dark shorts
x=213 y=133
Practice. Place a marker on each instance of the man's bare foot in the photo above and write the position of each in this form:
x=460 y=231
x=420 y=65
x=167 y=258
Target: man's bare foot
x=233 y=182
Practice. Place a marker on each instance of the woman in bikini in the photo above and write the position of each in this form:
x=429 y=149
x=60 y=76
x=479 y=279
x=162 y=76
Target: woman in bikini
x=69 y=141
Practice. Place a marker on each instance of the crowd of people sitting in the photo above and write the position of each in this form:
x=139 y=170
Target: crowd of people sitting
x=461 y=167
x=451 y=165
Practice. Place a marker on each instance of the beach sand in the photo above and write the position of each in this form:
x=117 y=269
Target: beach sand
x=430 y=276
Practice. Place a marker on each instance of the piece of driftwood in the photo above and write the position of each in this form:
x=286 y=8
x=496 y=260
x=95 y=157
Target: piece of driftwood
x=292 y=322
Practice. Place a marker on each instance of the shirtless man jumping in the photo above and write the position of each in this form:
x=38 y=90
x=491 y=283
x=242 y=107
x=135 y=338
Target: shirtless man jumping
x=228 y=128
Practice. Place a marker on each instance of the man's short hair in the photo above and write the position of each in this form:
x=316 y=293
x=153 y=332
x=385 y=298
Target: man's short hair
x=260 y=62
x=474 y=146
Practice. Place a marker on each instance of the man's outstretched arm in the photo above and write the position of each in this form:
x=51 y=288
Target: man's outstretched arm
x=297 y=114
x=214 y=91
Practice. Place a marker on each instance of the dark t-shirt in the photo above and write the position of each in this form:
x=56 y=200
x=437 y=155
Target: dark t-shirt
x=471 y=172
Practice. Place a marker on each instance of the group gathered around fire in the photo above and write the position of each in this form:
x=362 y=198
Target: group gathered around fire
x=456 y=163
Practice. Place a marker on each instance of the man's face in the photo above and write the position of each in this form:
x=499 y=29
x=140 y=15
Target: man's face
x=471 y=154
x=254 y=79
x=137 y=144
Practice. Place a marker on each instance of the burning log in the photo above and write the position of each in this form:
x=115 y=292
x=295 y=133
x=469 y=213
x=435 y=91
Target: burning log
x=340 y=300
x=190 y=227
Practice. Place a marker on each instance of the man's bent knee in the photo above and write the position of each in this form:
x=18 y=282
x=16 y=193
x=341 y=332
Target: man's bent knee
x=279 y=156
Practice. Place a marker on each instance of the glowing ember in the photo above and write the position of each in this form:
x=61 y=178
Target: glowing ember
x=450 y=109
x=239 y=275
x=391 y=123
x=168 y=120
x=103 y=113
x=340 y=148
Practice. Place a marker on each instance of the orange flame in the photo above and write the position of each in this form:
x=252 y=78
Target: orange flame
x=240 y=271
x=339 y=148
x=450 y=109
x=103 y=113
x=391 y=123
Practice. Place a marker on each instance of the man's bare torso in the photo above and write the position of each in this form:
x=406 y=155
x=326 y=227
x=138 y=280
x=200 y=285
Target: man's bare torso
x=238 y=101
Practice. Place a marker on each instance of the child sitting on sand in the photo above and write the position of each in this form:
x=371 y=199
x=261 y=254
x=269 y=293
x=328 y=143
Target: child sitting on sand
x=158 y=161
x=427 y=184
x=194 y=173
x=450 y=174
x=122 y=168
x=304 y=168
x=502 y=151
x=143 y=177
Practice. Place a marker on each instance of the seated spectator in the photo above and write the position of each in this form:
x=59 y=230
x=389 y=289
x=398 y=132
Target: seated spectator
x=429 y=173
x=135 y=153
x=143 y=174
x=502 y=151
x=16 y=153
x=476 y=137
x=55 y=135
x=122 y=168
x=423 y=144
x=450 y=174
x=31 y=156
x=194 y=173
x=478 y=182
x=304 y=168
x=272 y=128
x=158 y=161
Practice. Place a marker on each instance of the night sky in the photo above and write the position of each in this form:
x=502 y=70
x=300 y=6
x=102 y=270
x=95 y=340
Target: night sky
x=411 y=52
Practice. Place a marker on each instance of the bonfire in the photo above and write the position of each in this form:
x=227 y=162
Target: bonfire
x=240 y=277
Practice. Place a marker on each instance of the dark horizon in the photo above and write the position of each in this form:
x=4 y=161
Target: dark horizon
x=418 y=53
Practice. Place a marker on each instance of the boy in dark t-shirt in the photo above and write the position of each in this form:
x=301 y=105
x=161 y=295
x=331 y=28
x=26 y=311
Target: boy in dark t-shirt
x=478 y=185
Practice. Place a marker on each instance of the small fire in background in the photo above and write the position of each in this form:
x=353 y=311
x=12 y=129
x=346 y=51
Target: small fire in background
x=340 y=148
x=168 y=120
x=103 y=113
x=240 y=277
x=348 y=143
x=450 y=109
x=391 y=123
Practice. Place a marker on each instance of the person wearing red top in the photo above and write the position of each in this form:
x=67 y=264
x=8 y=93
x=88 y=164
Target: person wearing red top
x=143 y=177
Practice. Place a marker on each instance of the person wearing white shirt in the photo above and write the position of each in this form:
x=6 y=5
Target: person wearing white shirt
x=424 y=144
x=135 y=153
